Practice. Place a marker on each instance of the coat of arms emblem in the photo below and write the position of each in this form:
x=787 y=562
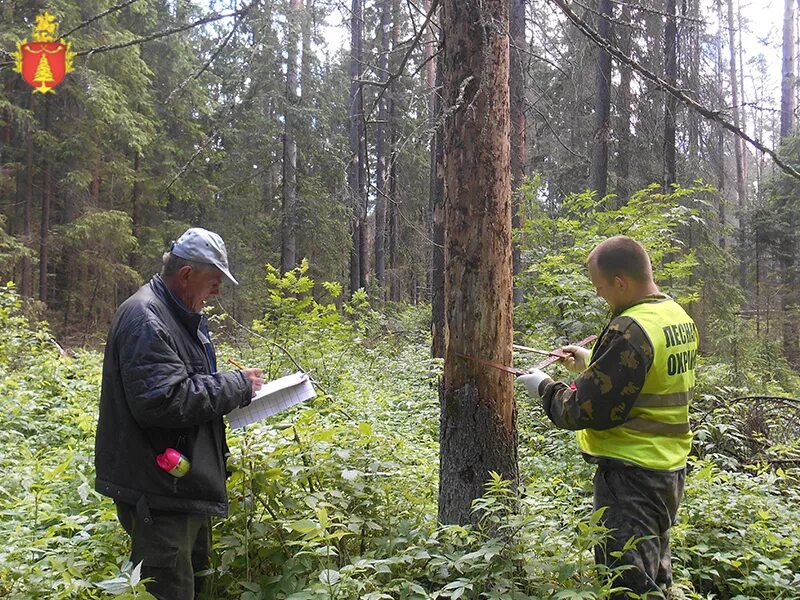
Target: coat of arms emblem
x=44 y=61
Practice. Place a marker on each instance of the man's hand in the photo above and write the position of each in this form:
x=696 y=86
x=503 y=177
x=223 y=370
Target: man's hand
x=578 y=359
x=533 y=380
x=255 y=376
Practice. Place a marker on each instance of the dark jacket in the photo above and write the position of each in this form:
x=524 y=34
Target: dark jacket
x=159 y=392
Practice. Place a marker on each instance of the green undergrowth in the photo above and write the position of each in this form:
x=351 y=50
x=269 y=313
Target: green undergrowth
x=337 y=498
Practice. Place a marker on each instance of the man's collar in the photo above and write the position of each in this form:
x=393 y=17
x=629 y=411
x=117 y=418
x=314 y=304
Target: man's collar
x=178 y=302
x=649 y=299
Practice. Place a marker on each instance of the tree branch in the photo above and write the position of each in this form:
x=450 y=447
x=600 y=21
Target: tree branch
x=99 y=16
x=712 y=115
x=149 y=38
x=240 y=16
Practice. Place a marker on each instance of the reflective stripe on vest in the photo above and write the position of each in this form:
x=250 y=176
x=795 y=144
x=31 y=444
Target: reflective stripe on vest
x=657 y=434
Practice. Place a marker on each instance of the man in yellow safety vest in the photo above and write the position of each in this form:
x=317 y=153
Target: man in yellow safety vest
x=630 y=407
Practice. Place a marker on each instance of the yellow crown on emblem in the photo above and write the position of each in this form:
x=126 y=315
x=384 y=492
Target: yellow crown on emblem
x=46 y=29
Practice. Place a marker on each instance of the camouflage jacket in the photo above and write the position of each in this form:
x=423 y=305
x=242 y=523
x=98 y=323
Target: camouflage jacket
x=605 y=392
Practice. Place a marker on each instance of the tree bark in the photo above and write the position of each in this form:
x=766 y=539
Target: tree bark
x=394 y=204
x=670 y=102
x=478 y=415
x=26 y=277
x=788 y=69
x=720 y=134
x=518 y=125
x=381 y=170
x=354 y=167
x=602 y=105
x=624 y=101
x=741 y=193
x=290 y=201
x=790 y=295
x=44 y=223
x=437 y=218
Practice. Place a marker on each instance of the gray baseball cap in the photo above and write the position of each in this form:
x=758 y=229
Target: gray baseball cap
x=204 y=246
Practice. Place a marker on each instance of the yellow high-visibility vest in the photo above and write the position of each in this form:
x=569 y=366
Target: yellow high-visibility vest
x=656 y=434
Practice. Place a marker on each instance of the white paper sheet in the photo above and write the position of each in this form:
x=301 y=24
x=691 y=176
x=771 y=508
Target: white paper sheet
x=272 y=398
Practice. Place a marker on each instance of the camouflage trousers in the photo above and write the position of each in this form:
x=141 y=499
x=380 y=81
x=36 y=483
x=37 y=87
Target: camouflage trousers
x=640 y=504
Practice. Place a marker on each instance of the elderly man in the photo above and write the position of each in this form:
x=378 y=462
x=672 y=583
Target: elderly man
x=160 y=448
x=630 y=405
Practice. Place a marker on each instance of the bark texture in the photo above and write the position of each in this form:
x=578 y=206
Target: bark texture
x=478 y=414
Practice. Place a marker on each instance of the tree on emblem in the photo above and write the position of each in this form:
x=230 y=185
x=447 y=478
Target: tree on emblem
x=43 y=75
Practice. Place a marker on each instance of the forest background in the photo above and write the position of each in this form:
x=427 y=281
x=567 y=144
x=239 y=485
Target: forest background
x=327 y=161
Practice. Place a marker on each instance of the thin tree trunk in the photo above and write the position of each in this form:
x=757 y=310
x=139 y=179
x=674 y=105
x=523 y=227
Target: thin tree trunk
x=741 y=193
x=381 y=171
x=307 y=54
x=720 y=134
x=788 y=75
x=354 y=166
x=624 y=101
x=290 y=202
x=478 y=416
x=671 y=103
x=44 y=224
x=394 y=198
x=602 y=105
x=518 y=126
x=437 y=214
x=26 y=287
x=790 y=295
x=692 y=56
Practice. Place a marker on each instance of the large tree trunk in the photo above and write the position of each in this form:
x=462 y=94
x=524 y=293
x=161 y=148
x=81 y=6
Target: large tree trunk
x=354 y=167
x=670 y=102
x=518 y=124
x=478 y=415
x=381 y=171
x=602 y=105
x=290 y=202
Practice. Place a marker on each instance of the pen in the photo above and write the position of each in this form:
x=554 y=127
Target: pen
x=235 y=364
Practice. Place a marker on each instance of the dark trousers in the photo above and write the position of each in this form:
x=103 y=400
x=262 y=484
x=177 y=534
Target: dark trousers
x=640 y=504
x=171 y=546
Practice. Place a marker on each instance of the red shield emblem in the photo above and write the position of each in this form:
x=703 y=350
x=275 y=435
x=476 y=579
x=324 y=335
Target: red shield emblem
x=44 y=64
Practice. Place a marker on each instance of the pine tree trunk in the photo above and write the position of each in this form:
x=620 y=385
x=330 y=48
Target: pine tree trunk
x=26 y=287
x=624 y=101
x=670 y=102
x=44 y=223
x=720 y=134
x=602 y=106
x=354 y=166
x=518 y=125
x=478 y=414
x=394 y=205
x=692 y=56
x=790 y=295
x=430 y=85
x=381 y=171
x=290 y=202
x=437 y=217
x=788 y=76
x=741 y=193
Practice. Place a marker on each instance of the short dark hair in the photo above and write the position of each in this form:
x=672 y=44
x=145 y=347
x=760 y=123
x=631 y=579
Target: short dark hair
x=621 y=255
x=171 y=264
